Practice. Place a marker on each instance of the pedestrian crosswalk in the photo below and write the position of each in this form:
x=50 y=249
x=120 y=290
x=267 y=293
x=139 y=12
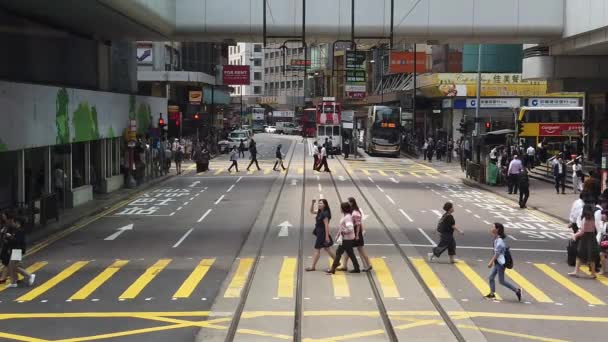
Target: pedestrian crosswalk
x=392 y=167
x=89 y=280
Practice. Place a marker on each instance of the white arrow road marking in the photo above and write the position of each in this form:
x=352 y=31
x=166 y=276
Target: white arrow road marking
x=406 y=215
x=204 y=215
x=394 y=180
x=427 y=237
x=194 y=184
x=183 y=238
x=341 y=178
x=437 y=212
x=284 y=231
x=119 y=231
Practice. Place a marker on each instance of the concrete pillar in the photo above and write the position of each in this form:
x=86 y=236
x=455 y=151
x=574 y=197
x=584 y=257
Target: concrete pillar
x=87 y=162
x=104 y=161
x=48 y=171
x=68 y=171
x=103 y=66
x=21 y=176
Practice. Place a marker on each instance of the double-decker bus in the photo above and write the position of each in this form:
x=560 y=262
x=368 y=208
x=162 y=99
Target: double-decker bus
x=553 y=126
x=329 y=113
x=258 y=119
x=309 y=123
x=383 y=134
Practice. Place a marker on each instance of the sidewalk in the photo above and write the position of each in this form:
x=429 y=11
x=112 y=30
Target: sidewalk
x=72 y=216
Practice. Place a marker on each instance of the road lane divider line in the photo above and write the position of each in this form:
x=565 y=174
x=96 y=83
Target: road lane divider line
x=406 y=215
x=230 y=188
x=219 y=200
x=478 y=282
x=379 y=188
x=427 y=237
x=382 y=173
x=287 y=278
x=99 y=280
x=179 y=242
x=385 y=278
x=430 y=278
x=49 y=284
x=239 y=278
x=239 y=179
x=197 y=275
x=204 y=215
x=140 y=284
x=530 y=288
x=320 y=187
x=370 y=179
x=398 y=173
x=390 y=199
x=365 y=172
x=569 y=285
x=415 y=174
x=437 y=212
x=32 y=269
x=339 y=283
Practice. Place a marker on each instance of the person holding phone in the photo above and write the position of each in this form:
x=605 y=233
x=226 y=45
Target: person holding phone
x=323 y=238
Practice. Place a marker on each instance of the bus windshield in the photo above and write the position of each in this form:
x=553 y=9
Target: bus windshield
x=385 y=129
x=552 y=116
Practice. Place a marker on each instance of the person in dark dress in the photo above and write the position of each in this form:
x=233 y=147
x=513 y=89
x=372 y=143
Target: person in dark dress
x=253 y=151
x=524 y=189
x=588 y=250
x=446 y=228
x=323 y=238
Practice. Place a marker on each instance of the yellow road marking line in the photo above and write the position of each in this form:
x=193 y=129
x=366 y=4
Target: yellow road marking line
x=339 y=283
x=382 y=173
x=96 y=282
x=287 y=277
x=239 y=278
x=385 y=278
x=430 y=175
x=15 y=337
x=218 y=171
x=601 y=278
x=365 y=171
x=415 y=174
x=530 y=288
x=300 y=170
x=194 y=279
x=568 y=284
x=480 y=284
x=512 y=334
x=35 y=267
x=149 y=274
x=430 y=279
x=49 y=284
x=267 y=170
x=398 y=174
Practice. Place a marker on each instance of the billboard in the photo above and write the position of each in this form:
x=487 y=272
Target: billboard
x=403 y=62
x=195 y=97
x=236 y=74
x=145 y=54
x=356 y=76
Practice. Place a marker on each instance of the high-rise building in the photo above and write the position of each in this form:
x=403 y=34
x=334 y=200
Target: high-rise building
x=249 y=54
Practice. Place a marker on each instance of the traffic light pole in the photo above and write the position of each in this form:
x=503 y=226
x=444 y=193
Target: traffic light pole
x=477 y=103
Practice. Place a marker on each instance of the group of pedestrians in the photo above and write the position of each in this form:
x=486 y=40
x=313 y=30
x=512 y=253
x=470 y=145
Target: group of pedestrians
x=501 y=258
x=237 y=152
x=13 y=248
x=443 y=150
x=320 y=156
x=348 y=236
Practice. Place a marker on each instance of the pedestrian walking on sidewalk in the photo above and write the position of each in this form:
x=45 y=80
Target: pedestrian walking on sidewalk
x=500 y=261
x=5 y=255
x=345 y=240
x=577 y=176
x=242 y=149
x=178 y=154
x=587 y=252
x=446 y=228
x=524 y=189
x=559 y=173
x=513 y=172
x=321 y=232
x=279 y=161
x=450 y=152
x=253 y=152
x=15 y=239
x=530 y=157
x=359 y=238
x=425 y=148
x=234 y=159
x=430 y=150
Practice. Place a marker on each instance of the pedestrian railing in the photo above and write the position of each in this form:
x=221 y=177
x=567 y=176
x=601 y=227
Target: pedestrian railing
x=475 y=171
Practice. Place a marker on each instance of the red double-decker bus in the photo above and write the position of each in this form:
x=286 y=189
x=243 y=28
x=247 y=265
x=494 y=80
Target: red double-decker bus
x=309 y=123
x=323 y=122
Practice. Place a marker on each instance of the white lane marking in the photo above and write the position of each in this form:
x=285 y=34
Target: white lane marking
x=379 y=188
x=179 y=208
x=341 y=178
x=320 y=188
x=394 y=180
x=230 y=188
x=390 y=199
x=204 y=215
x=179 y=242
x=238 y=180
x=469 y=247
x=318 y=177
x=191 y=198
x=321 y=196
x=486 y=222
x=219 y=200
x=477 y=216
x=468 y=211
x=119 y=231
x=437 y=212
x=512 y=237
x=173 y=213
x=427 y=237
x=406 y=215
x=370 y=179
x=194 y=184
x=186 y=203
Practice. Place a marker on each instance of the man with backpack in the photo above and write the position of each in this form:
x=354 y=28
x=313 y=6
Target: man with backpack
x=446 y=228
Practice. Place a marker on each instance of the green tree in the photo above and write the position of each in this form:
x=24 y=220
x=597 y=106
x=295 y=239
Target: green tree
x=62 y=119
x=85 y=123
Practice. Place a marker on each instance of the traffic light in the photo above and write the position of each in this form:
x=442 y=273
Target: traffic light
x=488 y=126
x=161 y=123
x=463 y=126
x=520 y=128
x=196 y=116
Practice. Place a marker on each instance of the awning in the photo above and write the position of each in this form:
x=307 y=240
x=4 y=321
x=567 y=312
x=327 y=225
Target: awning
x=501 y=132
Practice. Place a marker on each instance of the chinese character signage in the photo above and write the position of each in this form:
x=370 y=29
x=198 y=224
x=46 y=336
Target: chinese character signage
x=356 y=75
x=403 y=62
x=236 y=75
x=554 y=102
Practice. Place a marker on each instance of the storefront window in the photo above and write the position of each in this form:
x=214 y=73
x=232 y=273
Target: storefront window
x=78 y=165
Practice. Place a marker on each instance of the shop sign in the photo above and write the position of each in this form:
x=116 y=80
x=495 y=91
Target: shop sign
x=195 y=97
x=403 y=62
x=447 y=103
x=283 y=113
x=493 y=85
x=236 y=74
x=556 y=130
x=355 y=59
x=554 y=102
x=495 y=103
x=145 y=54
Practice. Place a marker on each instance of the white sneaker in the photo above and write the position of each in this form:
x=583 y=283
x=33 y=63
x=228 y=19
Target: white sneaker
x=430 y=257
x=30 y=281
x=11 y=285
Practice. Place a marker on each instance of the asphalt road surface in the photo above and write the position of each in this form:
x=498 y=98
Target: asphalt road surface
x=220 y=256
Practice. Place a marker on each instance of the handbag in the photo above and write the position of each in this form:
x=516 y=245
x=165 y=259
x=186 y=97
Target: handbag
x=339 y=240
x=16 y=255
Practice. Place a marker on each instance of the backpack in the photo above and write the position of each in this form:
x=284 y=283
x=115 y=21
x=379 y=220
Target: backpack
x=440 y=226
x=508 y=258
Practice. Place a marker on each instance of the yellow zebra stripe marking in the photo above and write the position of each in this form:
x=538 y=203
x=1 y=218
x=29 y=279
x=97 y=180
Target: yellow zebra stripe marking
x=267 y=170
x=530 y=288
x=398 y=174
x=382 y=173
x=33 y=268
x=431 y=175
x=194 y=279
x=568 y=284
x=601 y=278
x=365 y=172
x=49 y=284
x=415 y=174
x=300 y=170
x=480 y=284
x=430 y=279
x=287 y=278
x=96 y=282
x=239 y=278
x=143 y=280
x=217 y=172
x=339 y=283
x=385 y=278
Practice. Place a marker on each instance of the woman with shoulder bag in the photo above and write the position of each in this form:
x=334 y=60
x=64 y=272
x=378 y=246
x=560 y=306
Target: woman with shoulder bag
x=323 y=241
x=498 y=263
x=345 y=240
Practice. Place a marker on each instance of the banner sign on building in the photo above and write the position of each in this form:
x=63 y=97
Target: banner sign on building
x=283 y=113
x=493 y=85
x=403 y=62
x=195 y=97
x=560 y=129
x=554 y=102
x=495 y=103
x=356 y=76
x=236 y=74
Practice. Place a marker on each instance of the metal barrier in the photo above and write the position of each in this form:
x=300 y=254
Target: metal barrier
x=475 y=171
